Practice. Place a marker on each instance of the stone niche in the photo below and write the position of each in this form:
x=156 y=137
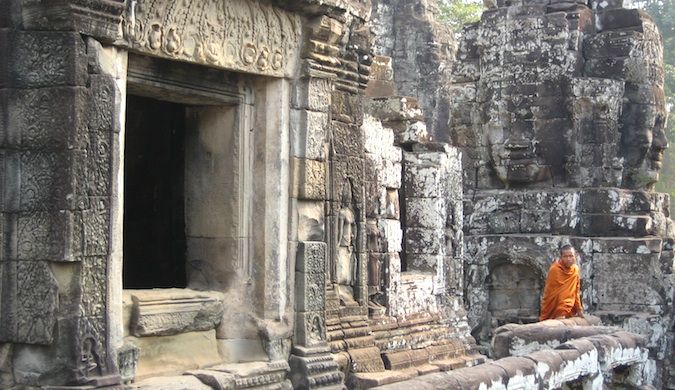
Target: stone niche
x=514 y=293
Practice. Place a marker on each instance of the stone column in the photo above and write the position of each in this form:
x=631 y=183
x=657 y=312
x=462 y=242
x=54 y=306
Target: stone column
x=60 y=108
x=311 y=363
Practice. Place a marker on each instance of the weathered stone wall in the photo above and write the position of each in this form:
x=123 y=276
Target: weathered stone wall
x=558 y=110
x=421 y=51
x=57 y=138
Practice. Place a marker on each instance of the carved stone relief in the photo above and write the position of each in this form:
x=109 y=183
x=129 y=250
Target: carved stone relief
x=240 y=35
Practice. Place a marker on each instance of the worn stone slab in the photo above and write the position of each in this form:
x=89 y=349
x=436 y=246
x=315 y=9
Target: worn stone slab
x=309 y=291
x=425 y=212
x=366 y=360
x=170 y=355
x=172 y=383
x=30 y=51
x=311 y=257
x=367 y=380
x=29 y=306
x=308 y=134
x=309 y=179
x=310 y=327
x=424 y=241
x=214 y=379
x=32 y=121
x=312 y=93
x=161 y=312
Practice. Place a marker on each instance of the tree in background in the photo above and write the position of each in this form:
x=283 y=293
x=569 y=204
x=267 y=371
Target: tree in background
x=457 y=13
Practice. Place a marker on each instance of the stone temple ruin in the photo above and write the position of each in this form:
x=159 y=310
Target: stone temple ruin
x=252 y=194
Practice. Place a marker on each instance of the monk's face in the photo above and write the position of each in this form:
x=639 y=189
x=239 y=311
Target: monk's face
x=568 y=257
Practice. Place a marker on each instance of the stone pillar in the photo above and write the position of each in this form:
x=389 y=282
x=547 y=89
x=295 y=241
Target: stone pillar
x=61 y=110
x=311 y=363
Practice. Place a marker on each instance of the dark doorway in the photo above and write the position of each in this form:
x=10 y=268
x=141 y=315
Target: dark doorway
x=154 y=205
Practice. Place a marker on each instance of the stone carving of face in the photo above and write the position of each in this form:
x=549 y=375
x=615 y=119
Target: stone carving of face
x=643 y=143
x=516 y=162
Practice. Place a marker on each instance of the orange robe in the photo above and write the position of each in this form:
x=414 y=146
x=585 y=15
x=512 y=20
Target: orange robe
x=562 y=297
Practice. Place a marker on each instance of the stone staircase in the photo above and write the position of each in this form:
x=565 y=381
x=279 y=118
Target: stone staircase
x=381 y=350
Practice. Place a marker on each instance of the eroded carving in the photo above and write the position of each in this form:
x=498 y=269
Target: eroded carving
x=239 y=35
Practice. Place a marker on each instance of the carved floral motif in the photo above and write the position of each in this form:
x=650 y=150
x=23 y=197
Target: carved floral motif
x=237 y=34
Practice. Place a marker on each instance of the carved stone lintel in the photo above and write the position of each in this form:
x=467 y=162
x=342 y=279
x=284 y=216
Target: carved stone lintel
x=247 y=36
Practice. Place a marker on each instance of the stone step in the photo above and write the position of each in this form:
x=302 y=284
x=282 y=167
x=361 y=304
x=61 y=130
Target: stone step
x=367 y=380
x=366 y=359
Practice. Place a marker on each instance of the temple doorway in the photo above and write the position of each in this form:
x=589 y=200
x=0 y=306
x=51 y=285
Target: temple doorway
x=154 y=206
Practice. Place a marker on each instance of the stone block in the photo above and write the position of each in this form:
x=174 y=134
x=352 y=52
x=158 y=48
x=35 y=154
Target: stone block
x=311 y=257
x=46 y=59
x=348 y=171
x=425 y=212
x=347 y=139
x=37 y=180
x=310 y=328
x=309 y=291
x=174 y=311
x=421 y=181
x=374 y=198
x=535 y=221
x=312 y=94
x=309 y=179
x=424 y=262
x=346 y=107
x=379 y=140
x=97 y=163
x=391 y=174
x=392 y=109
x=615 y=225
x=397 y=360
x=30 y=302
x=168 y=355
x=392 y=208
x=621 y=18
x=127 y=361
x=612 y=44
x=209 y=261
x=626 y=245
x=366 y=359
x=214 y=379
x=550 y=359
x=43 y=235
x=392 y=235
x=627 y=279
x=484 y=376
x=308 y=134
x=33 y=122
x=104 y=104
x=310 y=221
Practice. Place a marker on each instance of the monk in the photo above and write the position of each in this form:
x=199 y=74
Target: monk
x=562 y=297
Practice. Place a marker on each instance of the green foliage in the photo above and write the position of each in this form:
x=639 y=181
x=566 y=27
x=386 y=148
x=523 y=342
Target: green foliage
x=457 y=13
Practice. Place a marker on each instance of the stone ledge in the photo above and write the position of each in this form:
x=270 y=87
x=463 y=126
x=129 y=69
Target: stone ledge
x=162 y=312
x=589 y=360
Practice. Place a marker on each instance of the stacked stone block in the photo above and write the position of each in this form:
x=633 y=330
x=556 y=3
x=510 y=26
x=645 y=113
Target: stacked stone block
x=421 y=49
x=596 y=362
x=57 y=138
x=556 y=107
